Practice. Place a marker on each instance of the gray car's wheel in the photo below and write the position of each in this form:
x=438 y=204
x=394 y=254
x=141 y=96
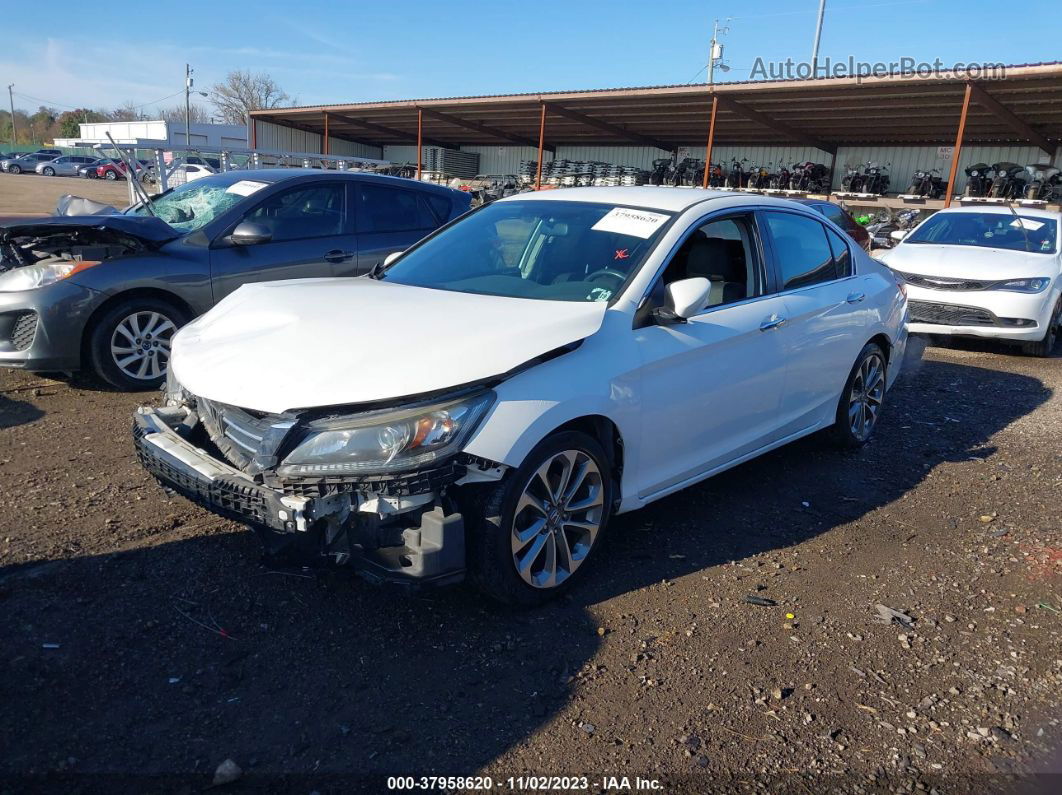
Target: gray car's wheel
x=14 y=169
x=48 y=171
x=861 y=401
x=532 y=535
x=1045 y=346
x=129 y=346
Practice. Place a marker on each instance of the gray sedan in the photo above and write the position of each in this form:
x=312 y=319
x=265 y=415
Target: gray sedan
x=107 y=292
x=64 y=166
x=25 y=163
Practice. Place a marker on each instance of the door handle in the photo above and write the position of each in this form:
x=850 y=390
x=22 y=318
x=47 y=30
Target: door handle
x=335 y=255
x=774 y=321
x=855 y=298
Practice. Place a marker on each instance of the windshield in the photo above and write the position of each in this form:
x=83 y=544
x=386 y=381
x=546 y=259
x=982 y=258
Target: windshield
x=551 y=250
x=193 y=205
x=988 y=230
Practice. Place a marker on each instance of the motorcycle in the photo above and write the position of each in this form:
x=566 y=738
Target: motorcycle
x=883 y=227
x=810 y=178
x=927 y=183
x=1007 y=182
x=737 y=178
x=716 y=177
x=780 y=181
x=978 y=179
x=852 y=181
x=876 y=178
x=1045 y=182
x=759 y=177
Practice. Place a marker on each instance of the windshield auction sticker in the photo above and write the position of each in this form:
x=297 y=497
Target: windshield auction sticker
x=636 y=223
x=245 y=187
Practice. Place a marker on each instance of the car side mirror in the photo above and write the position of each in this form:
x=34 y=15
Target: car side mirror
x=391 y=258
x=248 y=233
x=898 y=234
x=685 y=299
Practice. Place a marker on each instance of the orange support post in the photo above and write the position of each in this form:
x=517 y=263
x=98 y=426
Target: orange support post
x=711 y=140
x=420 y=140
x=324 y=143
x=254 y=133
x=958 y=146
x=541 y=146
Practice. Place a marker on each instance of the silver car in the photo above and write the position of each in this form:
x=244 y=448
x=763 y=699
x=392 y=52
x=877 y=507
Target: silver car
x=25 y=163
x=65 y=166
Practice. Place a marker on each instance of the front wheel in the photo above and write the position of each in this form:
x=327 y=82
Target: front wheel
x=111 y=175
x=13 y=169
x=129 y=347
x=1044 y=347
x=531 y=535
x=48 y=171
x=861 y=401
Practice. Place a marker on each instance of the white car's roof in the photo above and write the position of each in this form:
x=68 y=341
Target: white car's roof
x=649 y=196
x=995 y=209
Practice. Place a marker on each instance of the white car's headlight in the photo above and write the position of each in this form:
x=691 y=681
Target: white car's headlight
x=30 y=277
x=1024 y=285
x=386 y=441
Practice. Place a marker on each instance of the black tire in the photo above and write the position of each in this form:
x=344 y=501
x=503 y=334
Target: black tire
x=490 y=513
x=110 y=174
x=13 y=169
x=48 y=171
x=105 y=330
x=842 y=433
x=1046 y=346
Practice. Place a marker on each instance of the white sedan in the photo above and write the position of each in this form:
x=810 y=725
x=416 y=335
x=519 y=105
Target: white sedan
x=985 y=272
x=487 y=401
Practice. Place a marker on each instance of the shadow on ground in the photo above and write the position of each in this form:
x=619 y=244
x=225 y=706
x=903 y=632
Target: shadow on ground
x=174 y=657
x=17 y=412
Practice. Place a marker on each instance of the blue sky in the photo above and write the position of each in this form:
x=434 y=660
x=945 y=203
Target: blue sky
x=338 y=52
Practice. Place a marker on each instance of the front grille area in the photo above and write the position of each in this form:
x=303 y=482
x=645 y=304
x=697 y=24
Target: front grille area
x=950 y=314
x=23 y=330
x=239 y=434
x=935 y=283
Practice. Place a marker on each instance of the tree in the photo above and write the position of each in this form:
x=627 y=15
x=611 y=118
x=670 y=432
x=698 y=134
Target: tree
x=70 y=121
x=126 y=112
x=175 y=113
x=243 y=92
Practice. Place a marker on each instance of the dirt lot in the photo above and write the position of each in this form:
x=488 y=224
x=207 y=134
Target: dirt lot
x=142 y=643
x=32 y=194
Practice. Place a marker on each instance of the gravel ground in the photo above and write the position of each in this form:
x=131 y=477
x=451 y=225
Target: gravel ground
x=142 y=643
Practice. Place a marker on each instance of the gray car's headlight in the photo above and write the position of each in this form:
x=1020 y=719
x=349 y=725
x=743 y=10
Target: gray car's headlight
x=387 y=441
x=1024 y=285
x=30 y=277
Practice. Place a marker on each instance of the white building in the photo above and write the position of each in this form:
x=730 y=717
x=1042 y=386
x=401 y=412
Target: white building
x=152 y=134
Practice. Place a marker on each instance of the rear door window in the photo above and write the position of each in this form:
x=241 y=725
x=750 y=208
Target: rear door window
x=801 y=250
x=381 y=208
x=842 y=254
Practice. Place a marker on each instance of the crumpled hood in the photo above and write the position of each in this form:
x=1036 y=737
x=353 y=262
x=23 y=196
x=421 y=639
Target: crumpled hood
x=307 y=343
x=967 y=262
x=146 y=228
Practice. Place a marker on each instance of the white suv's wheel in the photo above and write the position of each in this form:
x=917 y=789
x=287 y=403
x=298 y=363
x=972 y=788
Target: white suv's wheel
x=531 y=536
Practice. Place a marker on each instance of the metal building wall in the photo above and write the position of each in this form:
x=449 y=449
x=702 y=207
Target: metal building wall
x=339 y=146
x=277 y=136
x=503 y=159
x=641 y=156
x=400 y=154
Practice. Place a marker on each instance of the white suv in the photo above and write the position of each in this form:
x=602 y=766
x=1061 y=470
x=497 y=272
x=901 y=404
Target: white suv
x=484 y=403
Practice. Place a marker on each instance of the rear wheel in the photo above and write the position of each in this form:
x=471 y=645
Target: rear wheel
x=129 y=347
x=861 y=401
x=1045 y=346
x=532 y=535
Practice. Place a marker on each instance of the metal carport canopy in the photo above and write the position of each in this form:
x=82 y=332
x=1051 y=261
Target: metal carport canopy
x=1023 y=105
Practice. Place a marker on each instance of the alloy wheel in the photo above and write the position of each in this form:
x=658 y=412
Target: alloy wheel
x=866 y=396
x=140 y=344
x=557 y=518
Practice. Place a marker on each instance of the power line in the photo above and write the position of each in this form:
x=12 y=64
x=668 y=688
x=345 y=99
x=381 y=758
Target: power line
x=71 y=107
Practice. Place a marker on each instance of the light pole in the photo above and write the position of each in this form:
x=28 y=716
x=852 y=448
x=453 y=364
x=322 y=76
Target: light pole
x=11 y=98
x=818 y=35
x=715 y=51
x=187 y=105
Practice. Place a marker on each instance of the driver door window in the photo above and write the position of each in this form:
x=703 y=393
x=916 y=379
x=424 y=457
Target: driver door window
x=302 y=213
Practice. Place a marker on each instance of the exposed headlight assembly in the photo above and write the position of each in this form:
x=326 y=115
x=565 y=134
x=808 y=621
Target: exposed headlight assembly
x=385 y=441
x=1024 y=285
x=30 y=277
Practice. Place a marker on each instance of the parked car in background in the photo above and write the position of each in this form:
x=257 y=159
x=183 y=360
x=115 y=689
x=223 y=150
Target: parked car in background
x=116 y=169
x=64 y=165
x=522 y=375
x=52 y=152
x=25 y=163
x=985 y=272
x=842 y=218
x=90 y=170
x=107 y=292
x=192 y=171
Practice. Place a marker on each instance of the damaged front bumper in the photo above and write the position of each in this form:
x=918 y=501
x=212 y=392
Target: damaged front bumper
x=408 y=540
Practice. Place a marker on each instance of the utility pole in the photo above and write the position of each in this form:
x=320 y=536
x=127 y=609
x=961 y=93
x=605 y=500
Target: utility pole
x=11 y=97
x=818 y=35
x=715 y=51
x=187 y=105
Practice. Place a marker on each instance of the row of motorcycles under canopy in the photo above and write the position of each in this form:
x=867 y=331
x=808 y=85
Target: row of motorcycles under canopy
x=806 y=177
x=1012 y=181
